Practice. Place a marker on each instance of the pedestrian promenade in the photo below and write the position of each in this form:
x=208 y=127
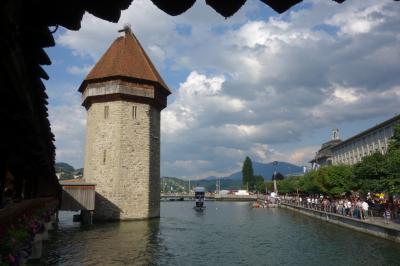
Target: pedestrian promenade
x=380 y=221
x=371 y=225
x=371 y=219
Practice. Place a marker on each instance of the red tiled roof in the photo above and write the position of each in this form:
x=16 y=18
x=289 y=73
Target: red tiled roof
x=125 y=58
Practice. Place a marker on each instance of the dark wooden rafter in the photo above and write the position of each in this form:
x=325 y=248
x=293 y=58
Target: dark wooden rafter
x=226 y=7
x=174 y=7
x=281 y=6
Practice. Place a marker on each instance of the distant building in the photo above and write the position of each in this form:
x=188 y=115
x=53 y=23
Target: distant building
x=324 y=155
x=374 y=139
x=353 y=149
x=242 y=192
x=78 y=176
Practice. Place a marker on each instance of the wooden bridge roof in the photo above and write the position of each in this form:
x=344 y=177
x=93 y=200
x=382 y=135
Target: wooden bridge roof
x=224 y=7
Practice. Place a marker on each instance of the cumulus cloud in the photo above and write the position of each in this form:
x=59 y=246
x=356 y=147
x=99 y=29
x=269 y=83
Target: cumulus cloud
x=68 y=121
x=252 y=85
x=302 y=155
x=76 y=70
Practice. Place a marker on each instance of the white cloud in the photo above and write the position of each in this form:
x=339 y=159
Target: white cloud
x=359 y=19
x=68 y=121
x=346 y=95
x=197 y=97
x=75 y=70
x=303 y=155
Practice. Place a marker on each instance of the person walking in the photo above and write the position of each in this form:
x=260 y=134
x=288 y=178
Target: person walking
x=386 y=215
x=365 y=207
x=347 y=206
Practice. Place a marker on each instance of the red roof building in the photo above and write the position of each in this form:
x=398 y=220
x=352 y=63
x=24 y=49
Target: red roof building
x=128 y=74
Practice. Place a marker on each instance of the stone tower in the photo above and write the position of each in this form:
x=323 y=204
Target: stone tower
x=123 y=95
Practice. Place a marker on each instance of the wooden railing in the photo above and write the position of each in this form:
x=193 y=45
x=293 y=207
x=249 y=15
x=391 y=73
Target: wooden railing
x=9 y=213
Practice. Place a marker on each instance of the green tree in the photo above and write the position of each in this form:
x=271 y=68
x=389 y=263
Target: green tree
x=338 y=179
x=278 y=176
x=394 y=143
x=312 y=182
x=392 y=163
x=288 y=185
x=259 y=183
x=247 y=173
x=392 y=182
x=333 y=180
x=371 y=167
x=269 y=185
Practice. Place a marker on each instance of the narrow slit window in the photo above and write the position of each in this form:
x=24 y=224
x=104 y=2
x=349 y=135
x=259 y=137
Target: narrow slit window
x=106 y=112
x=134 y=110
x=104 y=157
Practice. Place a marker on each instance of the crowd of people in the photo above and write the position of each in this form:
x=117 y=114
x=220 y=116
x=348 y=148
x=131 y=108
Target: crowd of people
x=352 y=206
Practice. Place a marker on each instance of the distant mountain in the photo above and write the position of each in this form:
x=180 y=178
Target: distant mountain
x=173 y=184
x=67 y=171
x=232 y=182
x=210 y=178
x=64 y=167
x=267 y=170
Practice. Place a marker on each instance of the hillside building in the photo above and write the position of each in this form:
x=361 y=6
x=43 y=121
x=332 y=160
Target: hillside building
x=123 y=95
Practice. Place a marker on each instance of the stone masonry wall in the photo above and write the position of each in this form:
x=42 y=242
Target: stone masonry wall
x=122 y=158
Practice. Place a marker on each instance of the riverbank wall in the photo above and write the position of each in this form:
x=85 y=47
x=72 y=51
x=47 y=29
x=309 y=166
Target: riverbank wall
x=379 y=230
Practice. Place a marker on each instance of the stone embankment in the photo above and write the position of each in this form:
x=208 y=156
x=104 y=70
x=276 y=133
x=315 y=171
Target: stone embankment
x=372 y=226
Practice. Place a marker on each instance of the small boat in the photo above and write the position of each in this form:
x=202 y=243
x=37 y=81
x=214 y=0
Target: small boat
x=199 y=198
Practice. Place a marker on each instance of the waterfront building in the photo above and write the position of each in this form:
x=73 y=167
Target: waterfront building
x=123 y=95
x=374 y=139
x=324 y=155
x=353 y=149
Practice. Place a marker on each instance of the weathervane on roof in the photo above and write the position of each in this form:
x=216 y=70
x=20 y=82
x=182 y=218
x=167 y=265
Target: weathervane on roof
x=127 y=29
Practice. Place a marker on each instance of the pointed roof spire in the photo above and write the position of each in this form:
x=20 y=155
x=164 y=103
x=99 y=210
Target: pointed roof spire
x=125 y=59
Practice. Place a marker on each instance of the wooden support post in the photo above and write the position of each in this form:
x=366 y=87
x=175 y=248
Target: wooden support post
x=86 y=217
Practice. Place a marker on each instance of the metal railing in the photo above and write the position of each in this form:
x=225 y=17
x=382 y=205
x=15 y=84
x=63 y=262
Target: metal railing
x=373 y=213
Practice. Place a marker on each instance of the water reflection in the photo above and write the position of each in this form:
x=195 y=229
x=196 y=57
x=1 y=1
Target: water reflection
x=226 y=233
x=125 y=243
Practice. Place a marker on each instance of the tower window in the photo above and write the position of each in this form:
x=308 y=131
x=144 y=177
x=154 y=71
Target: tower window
x=106 y=112
x=134 y=110
x=104 y=157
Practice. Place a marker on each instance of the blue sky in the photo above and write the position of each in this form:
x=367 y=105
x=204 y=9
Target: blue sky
x=257 y=84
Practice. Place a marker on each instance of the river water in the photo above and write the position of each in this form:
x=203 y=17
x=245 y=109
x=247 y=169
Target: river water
x=227 y=233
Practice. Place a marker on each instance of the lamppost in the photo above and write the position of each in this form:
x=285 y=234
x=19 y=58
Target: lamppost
x=275 y=163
